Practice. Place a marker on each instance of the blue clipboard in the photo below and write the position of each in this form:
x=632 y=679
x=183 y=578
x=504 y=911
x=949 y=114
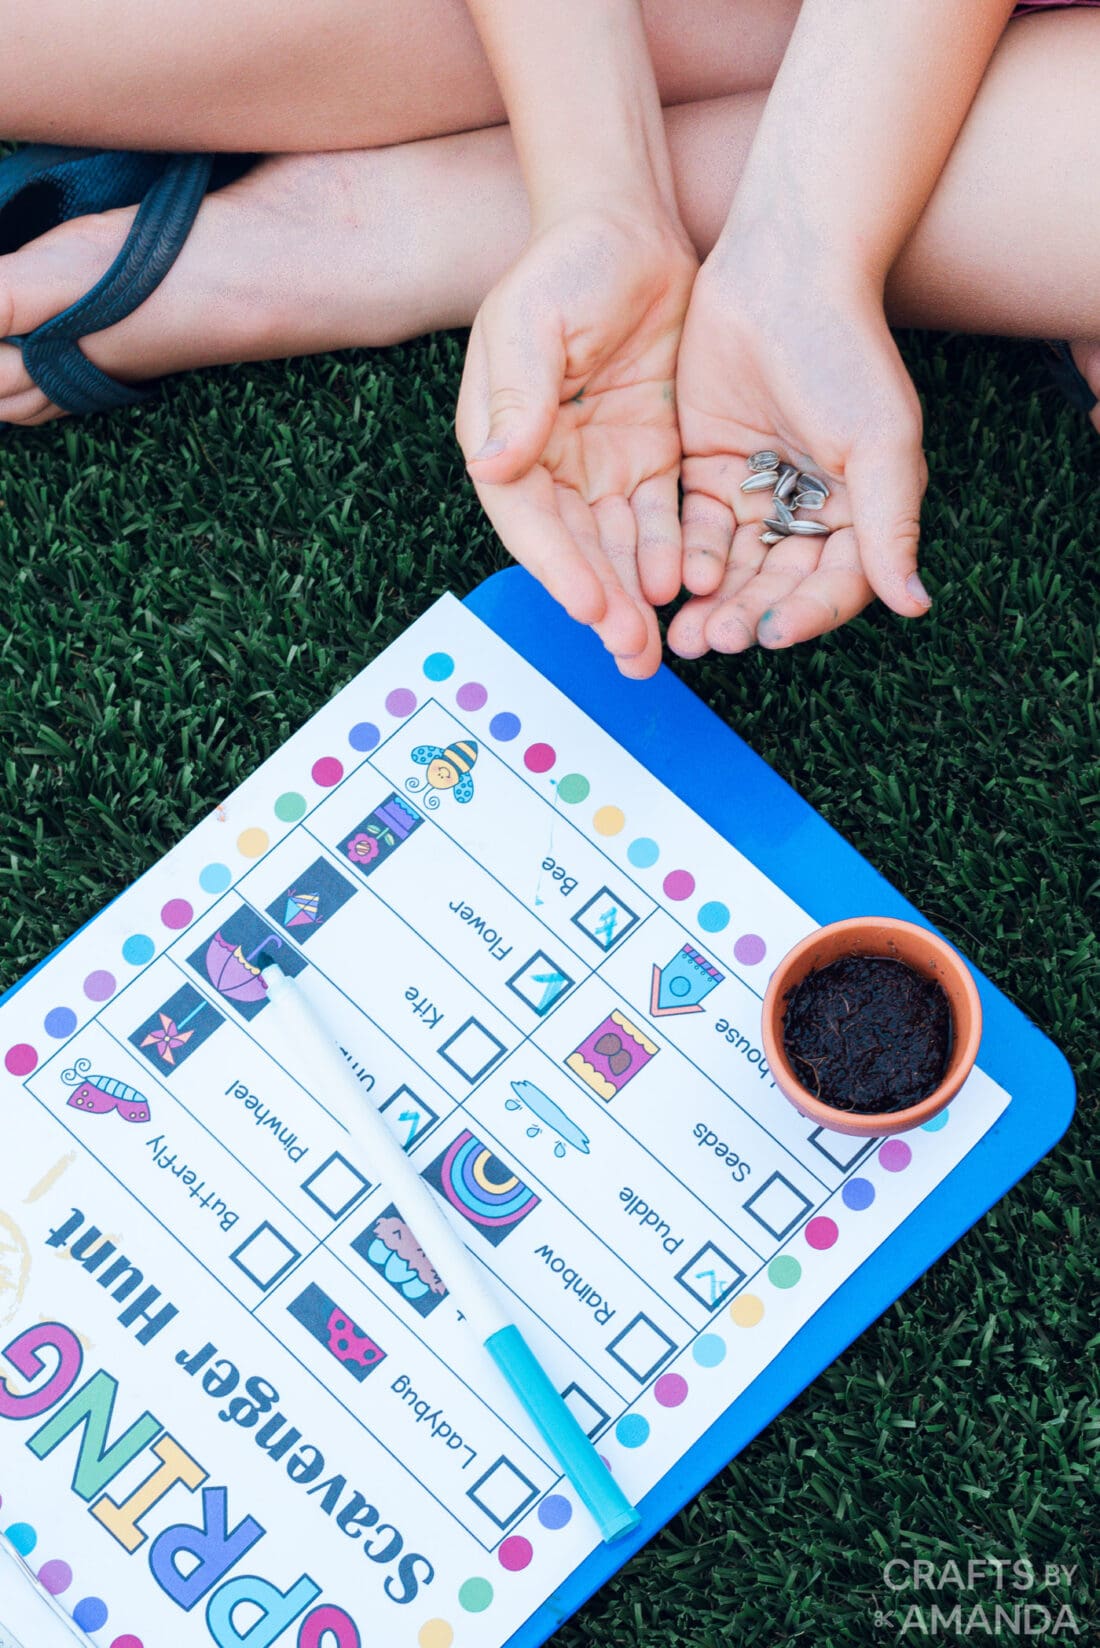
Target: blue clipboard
x=673 y=733
x=683 y=743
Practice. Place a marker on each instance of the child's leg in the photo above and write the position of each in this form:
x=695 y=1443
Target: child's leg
x=331 y=251
x=281 y=75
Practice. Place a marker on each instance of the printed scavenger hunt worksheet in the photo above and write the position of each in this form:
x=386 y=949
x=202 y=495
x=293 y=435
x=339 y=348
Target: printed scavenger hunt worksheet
x=237 y=1404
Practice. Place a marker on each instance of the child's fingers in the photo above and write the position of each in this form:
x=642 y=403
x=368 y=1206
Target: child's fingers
x=621 y=627
x=618 y=530
x=660 y=554
x=708 y=525
x=731 y=627
x=525 y=515
x=517 y=386
x=687 y=632
x=886 y=484
x=825 y=598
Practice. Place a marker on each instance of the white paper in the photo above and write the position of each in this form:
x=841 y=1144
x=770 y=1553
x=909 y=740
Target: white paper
x=503 y=909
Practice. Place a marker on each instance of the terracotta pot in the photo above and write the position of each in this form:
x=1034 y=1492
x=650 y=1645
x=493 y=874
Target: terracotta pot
x=894 y=940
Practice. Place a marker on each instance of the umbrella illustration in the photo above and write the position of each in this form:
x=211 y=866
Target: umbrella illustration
x=231 y=971
x=302 y=909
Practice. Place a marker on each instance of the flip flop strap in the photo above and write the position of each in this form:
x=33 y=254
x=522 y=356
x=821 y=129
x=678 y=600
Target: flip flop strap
x=52 y=354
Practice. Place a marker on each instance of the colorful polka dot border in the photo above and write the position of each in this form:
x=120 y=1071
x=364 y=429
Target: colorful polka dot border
x=90 y=1613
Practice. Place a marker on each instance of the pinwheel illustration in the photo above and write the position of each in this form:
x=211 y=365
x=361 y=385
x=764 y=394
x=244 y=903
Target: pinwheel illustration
x=171 y=1035
x=232 y=973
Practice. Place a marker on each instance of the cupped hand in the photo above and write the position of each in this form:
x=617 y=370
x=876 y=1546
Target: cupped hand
x=567 y=418
x=800 y=361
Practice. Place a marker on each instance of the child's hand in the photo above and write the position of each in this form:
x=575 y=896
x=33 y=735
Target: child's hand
x=567 y=419
x=799 y=359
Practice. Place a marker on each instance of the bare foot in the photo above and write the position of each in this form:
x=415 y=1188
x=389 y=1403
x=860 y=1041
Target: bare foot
x=1086 y=358
x=305 y=253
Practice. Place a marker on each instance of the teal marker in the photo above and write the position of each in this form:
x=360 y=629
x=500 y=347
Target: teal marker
x=298 y=1020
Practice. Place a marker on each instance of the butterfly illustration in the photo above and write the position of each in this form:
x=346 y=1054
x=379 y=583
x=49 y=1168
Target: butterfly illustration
x=97 y=1095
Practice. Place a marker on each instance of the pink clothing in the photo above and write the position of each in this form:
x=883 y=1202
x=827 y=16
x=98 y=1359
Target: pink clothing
x=1051 y=5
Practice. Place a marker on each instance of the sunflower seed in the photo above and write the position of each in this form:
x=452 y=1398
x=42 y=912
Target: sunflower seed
x=772 y=537
x=781 y=528
x=809 y=529
x=764 y=460
x=809 y=482
x=788 y=480
x=807 y=499
x=782 y=513
x=760 y=481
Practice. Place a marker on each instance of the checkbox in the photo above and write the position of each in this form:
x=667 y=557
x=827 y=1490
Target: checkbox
x=472 y=1050
x=265 y=1256
x=711 y=1276
x=844 y=1152
x=641 y=1348
x=503 y=1493
x=335 y=1186
x=541 y=983
x=414 y=1118
x=605 y=919
x=778 y=1206
x=589 y=1415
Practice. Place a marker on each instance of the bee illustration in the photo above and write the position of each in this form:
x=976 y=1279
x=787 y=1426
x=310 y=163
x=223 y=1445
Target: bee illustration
x=448 y=769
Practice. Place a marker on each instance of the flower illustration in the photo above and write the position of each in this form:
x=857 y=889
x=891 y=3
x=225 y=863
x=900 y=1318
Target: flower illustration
x=167 y=1038
x=362 y=848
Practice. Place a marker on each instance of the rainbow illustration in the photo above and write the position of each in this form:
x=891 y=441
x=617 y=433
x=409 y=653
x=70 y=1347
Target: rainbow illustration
x=481 y=1187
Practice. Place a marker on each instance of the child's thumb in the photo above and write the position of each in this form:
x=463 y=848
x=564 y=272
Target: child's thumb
x=523 y=397
x=886 y=485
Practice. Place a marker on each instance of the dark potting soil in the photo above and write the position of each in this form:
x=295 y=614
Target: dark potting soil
x=869 y=1034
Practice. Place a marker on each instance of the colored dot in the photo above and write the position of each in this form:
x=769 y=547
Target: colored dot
x=821 y=1233
x=608 y=820
x=643 y=852
x=401 y=701
x=475 y=1595
x=23 y=1537
x=21 y=1059
x=254 y=842
x=55 y=1577
x=713 y=917
x=895 y=1155
x=434 y=1633
x=439 y=666
x=100 y=985
x=138 y=949
x=505 y=726
x=750 y=949
x=784 y=1271
x=364 y=736
x=858 y=1194
x=90 y=1614
x=127 y=1641
x=215 y=878
x=177 y=913
x=59 y=1022
x=327 y=771
x=471 y=696
x=632 y=1430
x=289 y=808
x=678 y=885
x=555 y=1511
x=670 y=1390
x=539 y=757
x=934 y=1123
x=515 y=1553
x=709 y=1350
x=572 y=788
x=747 y=1310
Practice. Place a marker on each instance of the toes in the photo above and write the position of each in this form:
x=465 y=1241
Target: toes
x=14 y=377
x=28 y=408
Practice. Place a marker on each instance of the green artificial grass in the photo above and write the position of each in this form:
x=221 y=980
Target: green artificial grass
x=185 y=584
